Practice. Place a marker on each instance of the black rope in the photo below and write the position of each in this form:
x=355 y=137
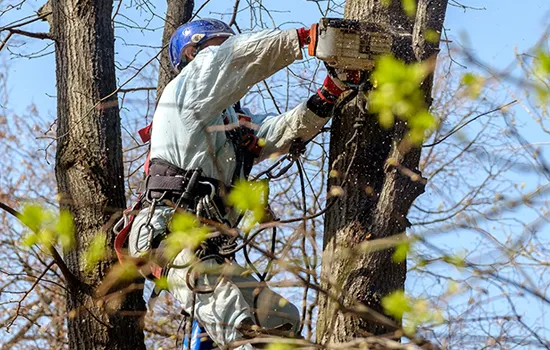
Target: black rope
x=273 y=246
x=304 y=233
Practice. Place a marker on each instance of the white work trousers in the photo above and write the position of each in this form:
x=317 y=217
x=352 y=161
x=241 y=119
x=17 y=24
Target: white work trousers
x=234 y=291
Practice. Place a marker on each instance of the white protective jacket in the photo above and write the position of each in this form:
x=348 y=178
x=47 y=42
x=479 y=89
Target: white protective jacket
x=188 y=127
x=189 y=132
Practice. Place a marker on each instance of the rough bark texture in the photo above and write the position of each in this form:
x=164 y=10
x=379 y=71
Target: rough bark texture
x=89 y=165
x=381 y=210
x=178 y=12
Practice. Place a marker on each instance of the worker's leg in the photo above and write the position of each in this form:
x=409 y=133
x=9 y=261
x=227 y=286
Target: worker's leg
x=221 y=311
x=232 y=300
x=142 y=227
x=272 y=310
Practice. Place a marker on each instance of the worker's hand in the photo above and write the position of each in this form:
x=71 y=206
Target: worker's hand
x=304 y=36
x=334 y=86
x=308 y=36
x=345 y=79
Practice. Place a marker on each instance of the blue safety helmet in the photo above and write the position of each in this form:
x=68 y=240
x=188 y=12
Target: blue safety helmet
x=195 y=33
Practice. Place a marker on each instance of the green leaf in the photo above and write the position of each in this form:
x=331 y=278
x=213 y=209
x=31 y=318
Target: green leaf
x=401 y=252
x=186 y=233
x=422 y=313
x=456 y=260
x=542 y=63
x=409 y=6
x=397 y=93
x=30 y=239
x=125 y=271
x=386 y=119
x=396 y=304
x=280 y=346
x=431 y=36
x=33 y=216
x=46 y=228
x=543 y=93
x=453 y=288
x=46 y=237
x=419 y=124
x=183 y=222
x=162 y=283
x=128 y=271
x=252 y=196
x=474 y=84
x=65 y=229
x=97 y=251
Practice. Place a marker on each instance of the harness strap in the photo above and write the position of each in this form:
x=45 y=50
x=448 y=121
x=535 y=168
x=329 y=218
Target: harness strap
x=178 y=184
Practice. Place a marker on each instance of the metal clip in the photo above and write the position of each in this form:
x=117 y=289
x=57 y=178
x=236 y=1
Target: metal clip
x=212 y=187
x=148 y=227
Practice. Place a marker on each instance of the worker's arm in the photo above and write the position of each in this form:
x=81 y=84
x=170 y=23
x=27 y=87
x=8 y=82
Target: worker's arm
x=221 y=75
x=279 y=131
x=303 y=122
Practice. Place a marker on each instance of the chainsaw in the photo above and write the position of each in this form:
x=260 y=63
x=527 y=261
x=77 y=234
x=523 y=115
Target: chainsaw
x=349 y=44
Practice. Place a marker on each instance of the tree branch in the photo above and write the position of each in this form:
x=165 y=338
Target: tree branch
x=20 y=303
x=41 y=36
x=458 y=128
x=5 y=40
x=15 y=24
x=235 y=12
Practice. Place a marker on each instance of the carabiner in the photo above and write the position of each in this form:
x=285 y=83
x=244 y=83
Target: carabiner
x=149 y=227
x=212 y=187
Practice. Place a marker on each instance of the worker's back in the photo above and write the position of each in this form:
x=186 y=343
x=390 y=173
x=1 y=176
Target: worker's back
x=188 y=130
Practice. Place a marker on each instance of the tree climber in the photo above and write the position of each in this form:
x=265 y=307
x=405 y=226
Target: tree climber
x=202 y=142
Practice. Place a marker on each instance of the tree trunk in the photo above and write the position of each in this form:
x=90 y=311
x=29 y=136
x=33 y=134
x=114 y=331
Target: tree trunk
x=378 y=195
x=178 y=12
x=89 y=167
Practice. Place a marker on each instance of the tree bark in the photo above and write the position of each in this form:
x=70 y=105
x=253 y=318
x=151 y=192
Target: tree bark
x=178 y=12
x=378 y=193
x=89 y=166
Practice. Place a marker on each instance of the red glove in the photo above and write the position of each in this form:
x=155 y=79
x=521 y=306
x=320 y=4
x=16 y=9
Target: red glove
x=333 y=85
x=308 y=36
x=331 y=90
x=304 y=36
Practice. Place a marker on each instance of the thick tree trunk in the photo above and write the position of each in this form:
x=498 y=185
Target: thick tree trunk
x=89 y=165
x=378 y=195
x=178 y=12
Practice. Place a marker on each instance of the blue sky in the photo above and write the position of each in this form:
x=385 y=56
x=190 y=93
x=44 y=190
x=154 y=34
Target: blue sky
x=492 y=34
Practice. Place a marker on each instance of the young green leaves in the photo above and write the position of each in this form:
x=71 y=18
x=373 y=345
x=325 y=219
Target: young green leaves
x=46 y=228
x=409 y=6
x=542 y=72
x=97 y=251
x=473 y=84
x=397 y=93
x=186 y=232
x=251 y=197
x=416 y=311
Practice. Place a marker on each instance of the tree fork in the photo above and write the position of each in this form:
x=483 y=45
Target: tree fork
x=89 y=168
x=383 y=182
